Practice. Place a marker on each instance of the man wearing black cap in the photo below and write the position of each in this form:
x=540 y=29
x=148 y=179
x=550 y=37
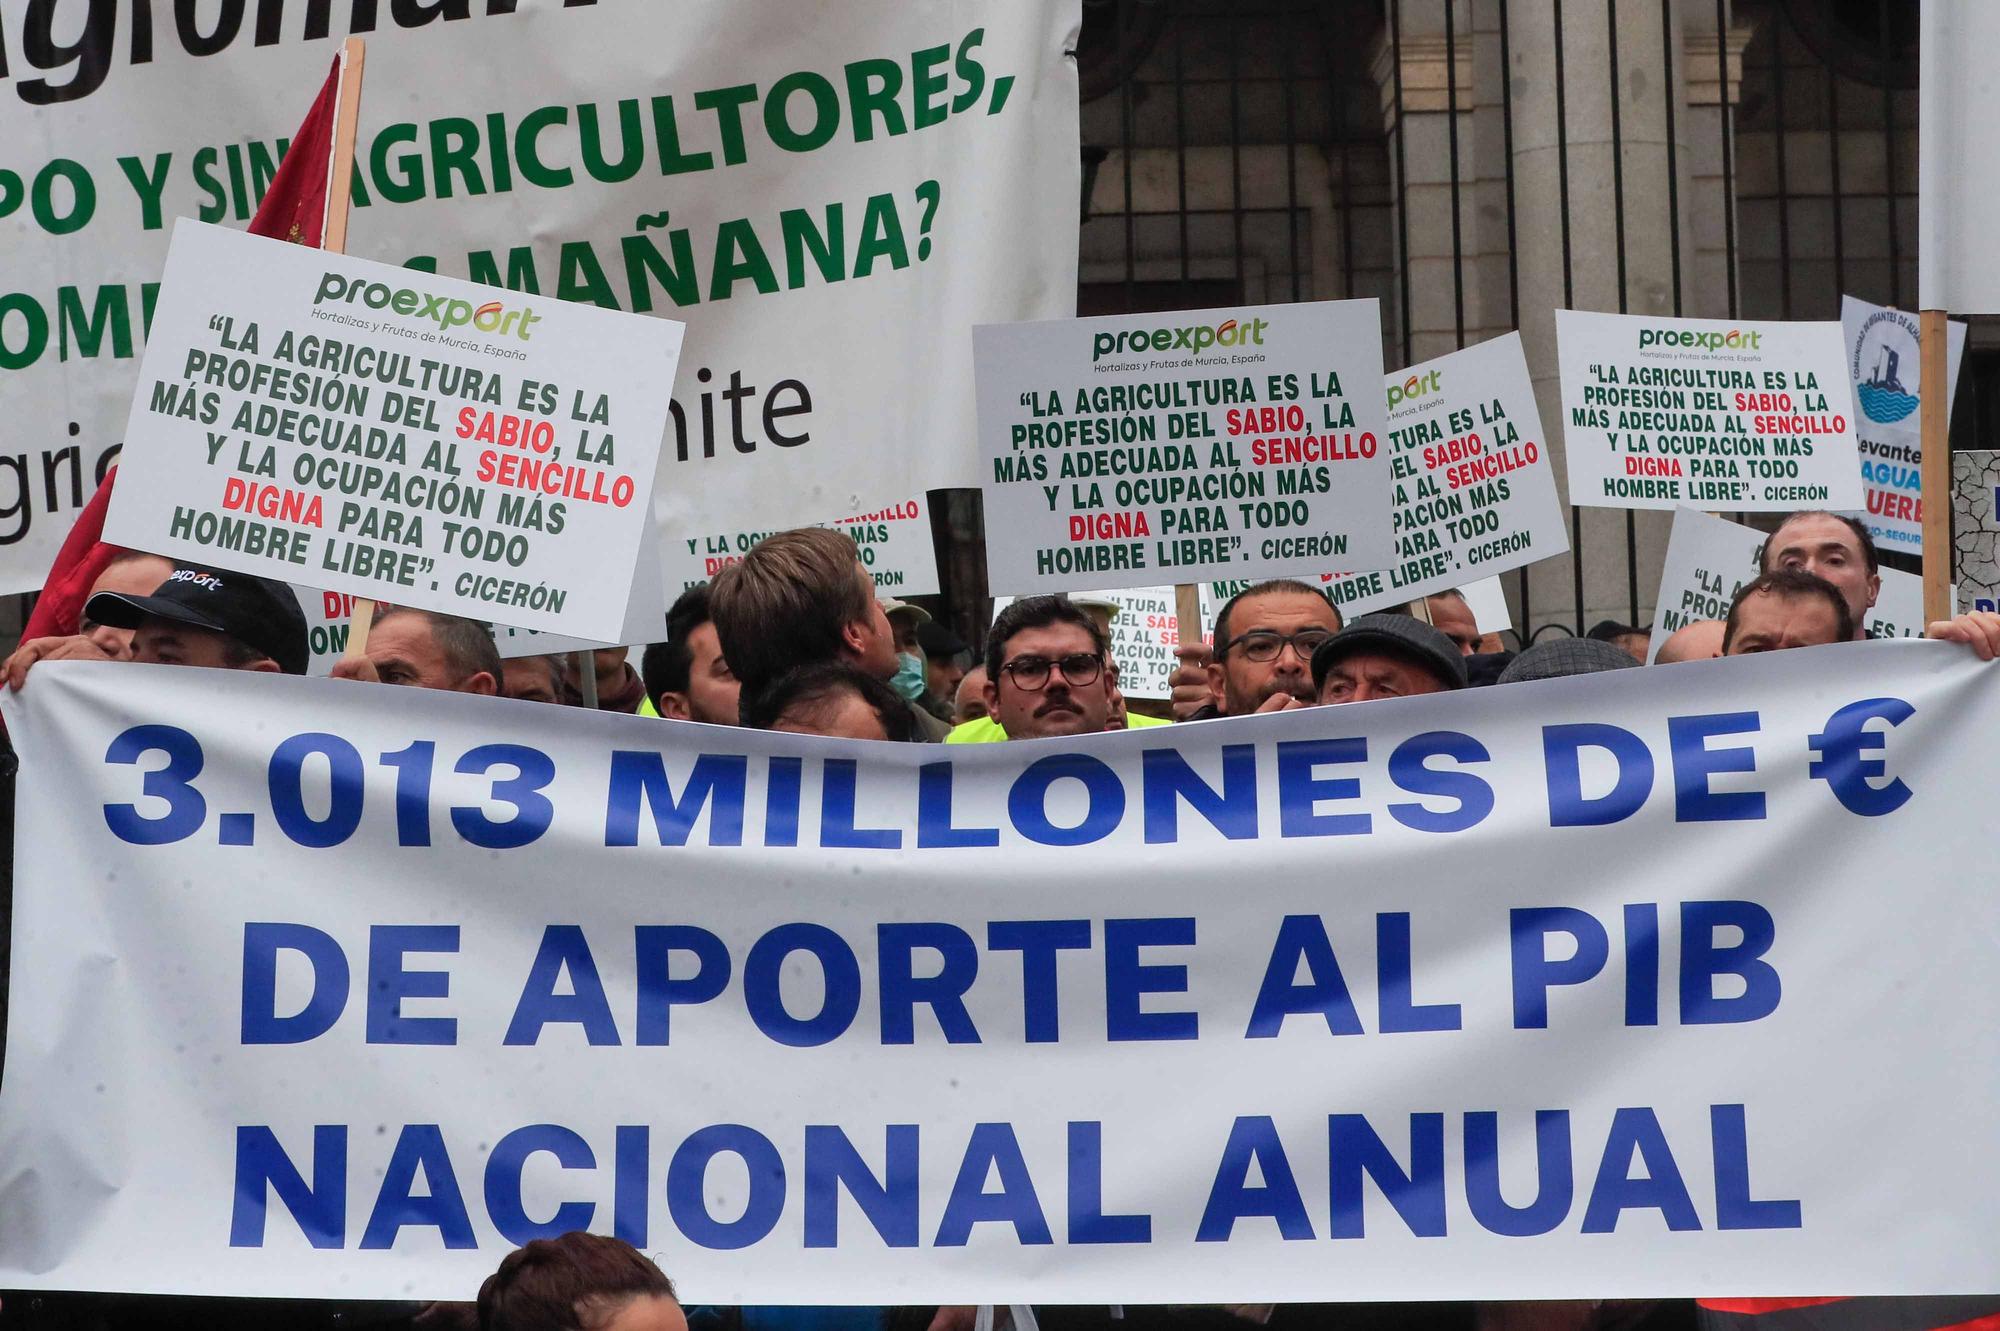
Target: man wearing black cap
x=1385 y=656
x=226 y=621
x=945 y=659
x=1634 y=642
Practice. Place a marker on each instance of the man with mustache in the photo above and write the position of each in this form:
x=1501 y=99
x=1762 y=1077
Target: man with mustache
x=1046 y=670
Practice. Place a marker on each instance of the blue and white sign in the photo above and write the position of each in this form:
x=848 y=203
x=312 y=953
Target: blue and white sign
x=1883 y=354
x=345 y=992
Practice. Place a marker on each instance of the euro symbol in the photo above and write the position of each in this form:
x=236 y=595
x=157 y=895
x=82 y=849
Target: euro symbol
x=1850 y=776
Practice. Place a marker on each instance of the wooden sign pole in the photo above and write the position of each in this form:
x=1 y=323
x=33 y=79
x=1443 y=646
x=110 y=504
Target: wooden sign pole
x=1187 y=613
x=1936 y=465
x=333 y=239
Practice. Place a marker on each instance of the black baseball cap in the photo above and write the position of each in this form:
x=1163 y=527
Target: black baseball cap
x=939 y=641
x=1395 y=635
x=257 y=612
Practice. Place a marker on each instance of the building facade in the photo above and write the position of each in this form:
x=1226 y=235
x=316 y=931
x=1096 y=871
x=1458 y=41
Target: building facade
x=1476 y=164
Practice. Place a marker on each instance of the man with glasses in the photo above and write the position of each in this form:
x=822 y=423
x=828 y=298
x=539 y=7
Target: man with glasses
x=1045 y=670
x=1262 y=661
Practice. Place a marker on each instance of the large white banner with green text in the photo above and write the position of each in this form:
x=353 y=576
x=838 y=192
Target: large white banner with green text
x=828 y=195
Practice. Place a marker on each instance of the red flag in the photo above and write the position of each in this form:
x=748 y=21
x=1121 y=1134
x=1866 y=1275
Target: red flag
x=294 y=208
x=82 y=560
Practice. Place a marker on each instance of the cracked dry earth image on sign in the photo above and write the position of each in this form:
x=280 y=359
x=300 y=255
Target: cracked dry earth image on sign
x=1975 y=475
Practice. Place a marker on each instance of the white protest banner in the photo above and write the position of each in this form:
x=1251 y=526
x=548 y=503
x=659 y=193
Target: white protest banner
x=895 y=543
x=1190 y=445
x=1710 y=558
x=1882 y=359
x=1145 y=631
x=1661 y=413
x=1473 y=487
x=364 y=429
x=329 y=618
x=1054 y=1021
x=828 y=195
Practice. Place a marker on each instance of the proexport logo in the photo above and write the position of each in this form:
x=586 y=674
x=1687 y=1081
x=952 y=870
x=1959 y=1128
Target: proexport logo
x=448 y=311
x=1195 y=338
x=1736 y=339
x=1414 y=387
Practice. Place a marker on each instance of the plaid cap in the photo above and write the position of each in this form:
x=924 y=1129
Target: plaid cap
x=1559 y=658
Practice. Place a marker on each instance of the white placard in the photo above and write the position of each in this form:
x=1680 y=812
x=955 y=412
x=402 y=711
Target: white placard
x=829 y=197
x=1247 y=442
x=358 y=428
x=894 y=540
x=1062 y=1021
x=1883 y=354
x=1706 y=413
x=1710 y=558
x=1474 y=491
x=1487 y=600
x=329 y=617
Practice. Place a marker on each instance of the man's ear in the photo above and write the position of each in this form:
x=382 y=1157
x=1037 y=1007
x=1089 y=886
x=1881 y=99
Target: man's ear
x=265 y=665
x=854 y=635
x=992 y=698
x=674 y=707
x=481 y=683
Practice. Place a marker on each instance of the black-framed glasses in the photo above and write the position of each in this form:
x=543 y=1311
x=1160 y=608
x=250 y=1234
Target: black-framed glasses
x=1262 y=645
x=1031 y=673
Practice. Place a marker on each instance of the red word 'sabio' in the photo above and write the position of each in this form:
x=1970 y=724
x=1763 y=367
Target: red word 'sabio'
x=493 y=427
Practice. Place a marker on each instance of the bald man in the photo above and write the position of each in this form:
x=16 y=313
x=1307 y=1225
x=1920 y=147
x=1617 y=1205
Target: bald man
x=1699 y=641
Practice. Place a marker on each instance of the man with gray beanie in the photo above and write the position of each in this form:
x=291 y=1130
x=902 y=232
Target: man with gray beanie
x=1386 y=656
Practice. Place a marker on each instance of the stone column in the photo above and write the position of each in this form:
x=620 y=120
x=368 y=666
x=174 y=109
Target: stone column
x=1608 y=143
x=1713 y=75
x=1434 y=97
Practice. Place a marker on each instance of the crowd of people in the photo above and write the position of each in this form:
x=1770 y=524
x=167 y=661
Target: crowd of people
x=794 y=638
